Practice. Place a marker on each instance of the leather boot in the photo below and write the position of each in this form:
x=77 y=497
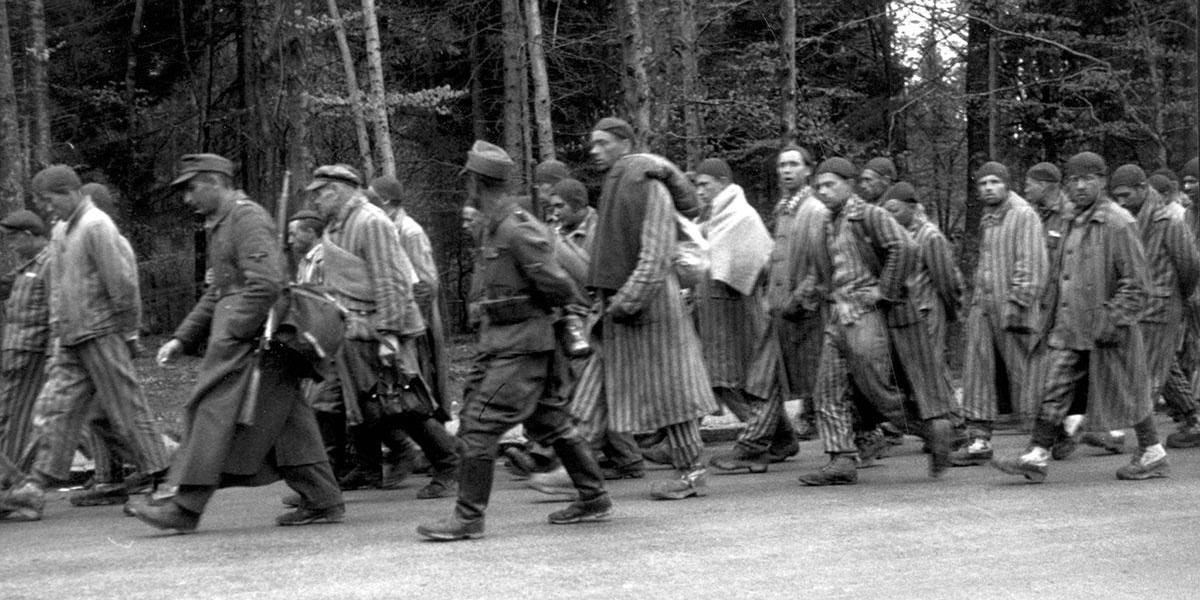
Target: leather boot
x=474 y=490
x=593 y=503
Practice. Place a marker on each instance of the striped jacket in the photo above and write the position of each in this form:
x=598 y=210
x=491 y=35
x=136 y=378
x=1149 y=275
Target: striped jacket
x=936 y=277
x=1012 y=260
x=27 y=310
x=1171 y=256
x=872 y=256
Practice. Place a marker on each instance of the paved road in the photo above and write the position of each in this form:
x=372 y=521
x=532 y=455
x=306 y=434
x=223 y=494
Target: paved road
x=975 y=534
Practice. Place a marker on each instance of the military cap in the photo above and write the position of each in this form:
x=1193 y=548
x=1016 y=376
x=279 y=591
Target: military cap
x=883 y=166
x=59 y=179
x=1191 y=169
x=1126 y=175
x=902 y=191
x=715 y=168
x=1044 y=171
x=615 y=126
x=388 y=188
x=191 y=165
x=489 y=160
x=1161 y=183
x=550 y=171
x=572 y=192
x=24 y=220
x=1086 y=163
x=993 y=168
x=338 y=173
x=838 y=166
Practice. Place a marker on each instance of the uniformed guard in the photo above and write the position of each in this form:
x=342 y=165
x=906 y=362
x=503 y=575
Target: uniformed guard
x=518 y=375
x=219 y=449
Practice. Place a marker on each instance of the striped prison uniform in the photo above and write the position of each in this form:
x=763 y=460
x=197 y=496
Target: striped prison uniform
x=918 y=341
x=1008 y=279
x=23 y=347
x=870 y=253
x=647 y=372
x=1174 y=270
x=94 y=306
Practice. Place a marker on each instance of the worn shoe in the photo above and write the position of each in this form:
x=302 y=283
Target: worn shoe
x=1032 y=465
x=660 y=454
x=359 y=479
x=26 y=502
x=440 y=487
x=736 y=460
x=1146 y=465
x=1187 y=436
x=596 y=509
x=556 y=483
x=519 y=462
x=892 y=434
x=978 y=452
x=872 y=446
x=100 y=494
x=781 y=453
x=840 y=470
x=308 y=516
x=1113 y=443
x=636 y=470
x=291 y=499
x=1064 y=446
x=167 y=515
x=451 y=529
x=688 y=484
x=941 y=438
x=806 y=430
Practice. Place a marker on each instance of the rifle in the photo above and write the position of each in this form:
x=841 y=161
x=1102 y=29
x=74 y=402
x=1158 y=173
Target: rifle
x=250 y=400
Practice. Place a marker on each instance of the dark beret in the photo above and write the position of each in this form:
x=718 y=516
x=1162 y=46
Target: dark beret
x=838 y=166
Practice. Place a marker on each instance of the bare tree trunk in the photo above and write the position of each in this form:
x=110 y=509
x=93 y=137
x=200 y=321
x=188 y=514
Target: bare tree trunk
x=978 y=142
x=209 y=60
x=787 y=15
x=686 y=49
x=541 y=83
x=637 y=82
x=354 y=93
x=993 y=133
x=379 y=107
x=12 y=175
x=514 y=81
x=39 y=58
x=477 y=113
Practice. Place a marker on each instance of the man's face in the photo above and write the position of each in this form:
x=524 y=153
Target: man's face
x=793 y=171
x=554 y=208
x=707 y=188
x=58 y=205
x=300 y=239
x=1130 y=197
x=903 y=211
x=1085 y=189
x=833 y=190
x=571 y=217
x=607 y=148
x=202 y=196
x=329 y=200
x=872 y=185
x=1191 y=187
x=1037 y=191
x=472 y=220
x=992 y=189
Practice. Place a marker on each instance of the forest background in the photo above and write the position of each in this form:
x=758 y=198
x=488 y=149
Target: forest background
x=120 y=89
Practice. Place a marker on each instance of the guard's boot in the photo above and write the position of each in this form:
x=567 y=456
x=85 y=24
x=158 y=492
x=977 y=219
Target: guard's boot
x=474 y=490
x=593 y=503
x=940 y=434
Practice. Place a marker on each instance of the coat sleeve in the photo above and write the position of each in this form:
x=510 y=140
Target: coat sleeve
x=1030 y=263
x=261 y=265
x=1125 y=306
x=943 y=272
x=658 y=241
x=1181 y=247
x=535 y=252
x=117 y=270
x=899 y=252
x=391 y=274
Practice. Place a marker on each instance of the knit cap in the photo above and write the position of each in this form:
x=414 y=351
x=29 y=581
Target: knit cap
x=550 y=171
x=993 y=168
x=715 y=168
x=1160 y=183
x=572 y=192
x=1126 y=176
x=1191 y=169
x=838 y=166
x=902 y=191
x=883 y=166
x=58 y=179
x=1086 y=163
x=1044 y=171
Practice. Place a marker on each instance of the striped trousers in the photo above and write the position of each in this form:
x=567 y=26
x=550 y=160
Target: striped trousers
x=922 y=370
x=994 y=370
x=766 y=423
x=855 y=365
x=22 y=375
x=95 y=375
x=1179 y=390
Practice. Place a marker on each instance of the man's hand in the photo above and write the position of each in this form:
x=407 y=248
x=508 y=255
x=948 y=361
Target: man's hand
x=168 y=351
